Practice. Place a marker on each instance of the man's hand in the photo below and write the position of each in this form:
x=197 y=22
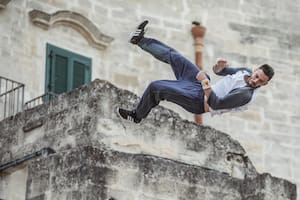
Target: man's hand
x=221 y=63
x=201 y=76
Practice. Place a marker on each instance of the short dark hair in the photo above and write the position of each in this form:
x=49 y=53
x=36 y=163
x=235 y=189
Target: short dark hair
x=268 y=70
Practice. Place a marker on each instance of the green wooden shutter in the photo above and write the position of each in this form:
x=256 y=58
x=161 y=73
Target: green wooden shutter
x=65 y=70
x=78 y=74
x=60 y=74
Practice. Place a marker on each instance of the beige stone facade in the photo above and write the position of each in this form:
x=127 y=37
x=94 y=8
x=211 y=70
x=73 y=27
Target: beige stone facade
x=76 y=148
x=247 y=33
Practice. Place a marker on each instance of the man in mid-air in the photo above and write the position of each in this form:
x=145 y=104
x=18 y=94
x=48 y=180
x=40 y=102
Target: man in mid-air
x=192 y=89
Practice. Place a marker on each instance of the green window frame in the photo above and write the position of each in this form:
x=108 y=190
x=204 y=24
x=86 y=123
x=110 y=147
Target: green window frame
x=65 y=70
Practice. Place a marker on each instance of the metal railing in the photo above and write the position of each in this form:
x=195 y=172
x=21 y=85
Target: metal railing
x=11 y=97
x=39 y=100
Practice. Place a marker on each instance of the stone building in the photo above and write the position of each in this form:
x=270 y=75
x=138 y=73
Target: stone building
x=88 y=40
x=76 y=148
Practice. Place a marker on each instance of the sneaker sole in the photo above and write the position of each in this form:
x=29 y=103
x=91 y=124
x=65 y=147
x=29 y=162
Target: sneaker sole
x=143 y=24
x=134 y=38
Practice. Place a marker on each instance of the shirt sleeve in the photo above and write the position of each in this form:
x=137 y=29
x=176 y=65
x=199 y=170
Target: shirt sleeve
x=235 y=98
x=232 y=70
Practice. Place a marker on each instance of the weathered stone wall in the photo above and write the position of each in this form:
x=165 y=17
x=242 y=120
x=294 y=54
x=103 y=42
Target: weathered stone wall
x=90 y=173
x=245 y=32
x=87 y=116
x=100 y=156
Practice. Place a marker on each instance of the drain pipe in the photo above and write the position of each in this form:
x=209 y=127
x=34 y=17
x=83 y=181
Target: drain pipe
x=198 y=33
x=43 y=152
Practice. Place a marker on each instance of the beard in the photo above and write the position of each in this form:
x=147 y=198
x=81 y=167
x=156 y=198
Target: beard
x=250 y=82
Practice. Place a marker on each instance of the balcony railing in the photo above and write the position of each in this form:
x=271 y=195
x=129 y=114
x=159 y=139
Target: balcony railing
x=11 y=97
x=39 y=100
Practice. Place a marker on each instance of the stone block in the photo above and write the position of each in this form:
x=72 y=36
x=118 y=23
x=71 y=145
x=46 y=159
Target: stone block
x=280 y=166
x=276 y=116
x=38 y=180
x=118 y=194
x=146 y=197
x=100 y=12
x=232 y=6
x=128 y=180
x=74 y=195
x=235 y=58
x=280 y=128
x=159 y=187
x=223 y=196
x=259 y=60
x=39 y=197
x=160 y=179
x=123 y=79
x=251 y=115
x=60 y=4
x=266 y=181
x=190 y=192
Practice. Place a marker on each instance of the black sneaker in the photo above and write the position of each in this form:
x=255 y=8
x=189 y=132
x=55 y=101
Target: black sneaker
x=128 y=115
x=138 y=34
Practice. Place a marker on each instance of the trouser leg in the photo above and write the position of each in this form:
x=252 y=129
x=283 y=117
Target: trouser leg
x=182 y=67
x=184 y=93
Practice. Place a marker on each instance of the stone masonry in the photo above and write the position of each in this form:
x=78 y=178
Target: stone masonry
x=100 y=156
x=247 y=33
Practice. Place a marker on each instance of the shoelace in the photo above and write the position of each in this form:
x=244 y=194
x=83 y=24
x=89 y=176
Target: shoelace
x=137 y=32
x=130 y=118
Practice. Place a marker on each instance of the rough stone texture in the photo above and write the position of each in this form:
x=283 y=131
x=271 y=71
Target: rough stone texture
x=100 y=156
x=91 y=173
x=245 y=32
x=89 y=31
x=87 y=116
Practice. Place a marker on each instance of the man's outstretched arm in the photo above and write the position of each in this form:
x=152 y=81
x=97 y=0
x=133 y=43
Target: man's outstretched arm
x=222 y=68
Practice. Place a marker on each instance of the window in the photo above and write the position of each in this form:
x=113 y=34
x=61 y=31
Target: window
x=65 y=70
